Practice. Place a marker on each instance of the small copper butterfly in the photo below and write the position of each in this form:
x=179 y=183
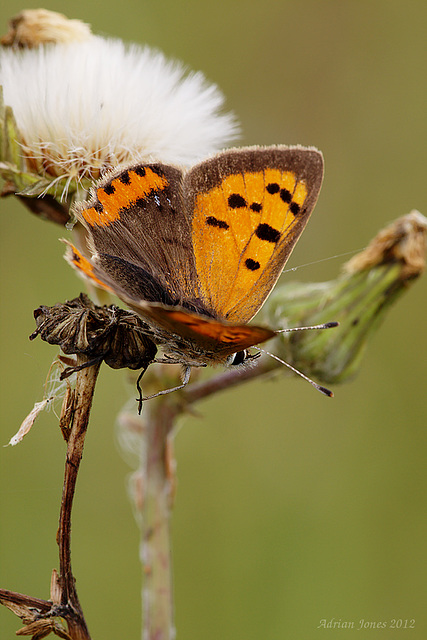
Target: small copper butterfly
x=195 y=254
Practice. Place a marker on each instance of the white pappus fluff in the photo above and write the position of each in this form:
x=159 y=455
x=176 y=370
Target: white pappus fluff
x=84 y=106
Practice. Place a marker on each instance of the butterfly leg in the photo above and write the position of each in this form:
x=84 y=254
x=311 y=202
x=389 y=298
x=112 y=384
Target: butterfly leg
x=185 y=381
x=69 y=370
x=138 y=386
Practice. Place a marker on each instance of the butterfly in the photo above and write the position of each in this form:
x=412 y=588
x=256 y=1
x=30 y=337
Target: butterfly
x=196 y=253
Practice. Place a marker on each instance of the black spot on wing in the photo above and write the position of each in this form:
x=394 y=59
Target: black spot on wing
x=252 y=265
x=295 y=208
x=124 y=177
x=273 y=187
x=215 y=222
x=265 y=232
x=157 y=169
x=236 y=201
x=286 y=195
x=109 y=189
x=255 y=206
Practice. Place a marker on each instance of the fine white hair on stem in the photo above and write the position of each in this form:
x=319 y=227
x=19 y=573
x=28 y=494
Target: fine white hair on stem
x=84 y=106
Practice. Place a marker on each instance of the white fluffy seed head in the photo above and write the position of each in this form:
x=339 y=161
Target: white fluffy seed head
x=86 y=106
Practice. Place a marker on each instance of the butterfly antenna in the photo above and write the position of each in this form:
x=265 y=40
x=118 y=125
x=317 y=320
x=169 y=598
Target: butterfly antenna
x=326 y=325
x=324 y=390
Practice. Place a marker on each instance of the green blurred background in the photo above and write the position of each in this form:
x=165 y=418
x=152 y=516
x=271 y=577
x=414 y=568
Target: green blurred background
x=291 y=508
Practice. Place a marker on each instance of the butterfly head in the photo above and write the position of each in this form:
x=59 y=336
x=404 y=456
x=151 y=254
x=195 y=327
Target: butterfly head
x=242 y=357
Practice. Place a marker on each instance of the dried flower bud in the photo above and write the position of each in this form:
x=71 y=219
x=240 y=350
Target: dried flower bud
x=33 y=27
x=101 y=333
x=358 y=299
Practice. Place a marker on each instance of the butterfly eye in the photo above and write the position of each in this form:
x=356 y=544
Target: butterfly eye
x=238 y=358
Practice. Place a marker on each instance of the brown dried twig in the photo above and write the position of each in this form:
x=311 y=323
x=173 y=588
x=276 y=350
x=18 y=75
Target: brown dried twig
x=38 y=615
x=82 y=403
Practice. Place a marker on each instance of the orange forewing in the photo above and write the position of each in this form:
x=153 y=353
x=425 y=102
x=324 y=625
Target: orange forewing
x=248 y=209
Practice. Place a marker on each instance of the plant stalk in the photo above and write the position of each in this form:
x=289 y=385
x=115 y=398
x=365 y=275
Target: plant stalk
x=85 y=386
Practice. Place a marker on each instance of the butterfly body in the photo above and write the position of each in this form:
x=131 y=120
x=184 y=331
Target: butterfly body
x=196 y=254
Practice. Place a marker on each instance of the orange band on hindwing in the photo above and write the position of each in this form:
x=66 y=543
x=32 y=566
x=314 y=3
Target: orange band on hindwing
x=82 y=264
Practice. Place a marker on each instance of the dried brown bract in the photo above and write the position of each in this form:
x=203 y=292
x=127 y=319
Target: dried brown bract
x=107 y=333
